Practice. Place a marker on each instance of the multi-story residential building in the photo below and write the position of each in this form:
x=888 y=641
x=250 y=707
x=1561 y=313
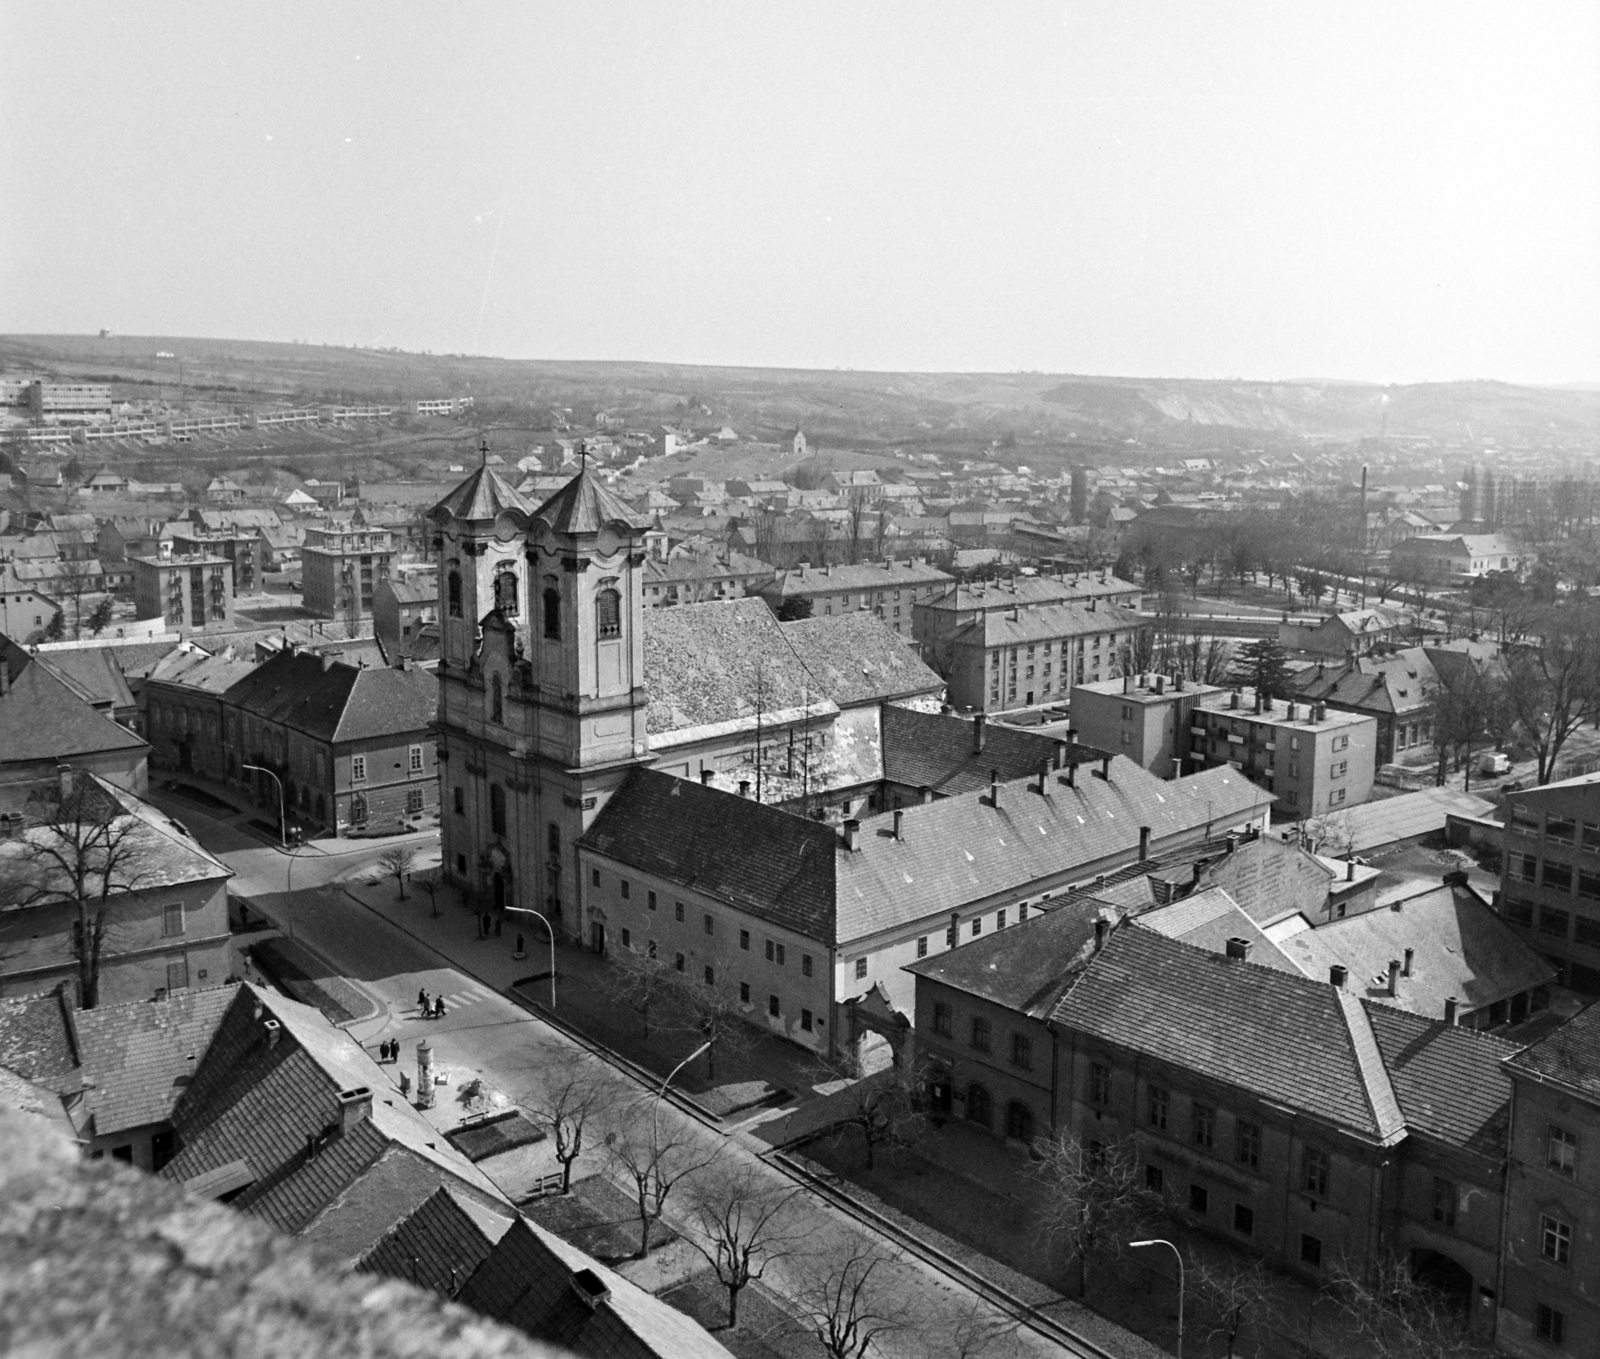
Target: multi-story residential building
x=182 y=704
x=341 y=567
x=405 y=616
x=166 y=925
x=1286 y=1114
x=192 y=591
x=1312 y=760
x=889 y=589
x=353 y=747
x=1550 y=1255
x=692 y=573
x=27 y=612
x=1550 y=875
x=1354 y=631
x=242 y=547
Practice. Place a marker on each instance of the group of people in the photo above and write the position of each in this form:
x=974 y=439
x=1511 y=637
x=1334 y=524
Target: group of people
x=389 y=1050
x=430 y=1009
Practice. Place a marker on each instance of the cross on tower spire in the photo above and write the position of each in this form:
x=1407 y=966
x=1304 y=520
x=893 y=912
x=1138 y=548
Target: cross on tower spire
x=483 y=451
x=583 y=455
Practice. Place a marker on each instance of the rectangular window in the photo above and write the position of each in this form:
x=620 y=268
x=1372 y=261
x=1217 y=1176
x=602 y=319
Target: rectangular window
x=861 y=968
x=1158 y=1103
x=772 y=951
x=1558 y=876
x=677 y=961
x=1000 y=919
x=416 y=760
x=358 y=768
x=744 y=992
x=805 y=1015
x=1022 y=1051
x=627 y=939
x=1524 y=867
x=1560 y=830
x=1563 y=1152
x=980 y=1034
x=1204 y=1125
x=497 y=809
x=706 y=925
x=1444 y=1201
x=1099 y=1083
x=1553 y=921
x=805 y=964
x=1199 y=1199
x=711 y=975
x=941 y=1018
x=922 y=946
x=172 y=919
x=594 y=877
x=744 y=940
x=677 y=911
x=1311 y=1251
x=1549 y=1324
x=1589 y=886
x=650 y=900
x=977 y=926
x=1555 y=1239
x=623 y=887
x=1518 y=912
x=1314 y=1171
x=780 y=955
x=1244 y=1220
x=413 y=801
x=772 y=1007
x=1247 y=1142
x=1154 y=1179
x=1337 y=771
x=1591 y=838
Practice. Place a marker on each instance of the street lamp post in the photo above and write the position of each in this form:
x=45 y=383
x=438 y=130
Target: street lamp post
x=655 y=1108
x=283 y=841
x=1159 y=1241
x=528 y=910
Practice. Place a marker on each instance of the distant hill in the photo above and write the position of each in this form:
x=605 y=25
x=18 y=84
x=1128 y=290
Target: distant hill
x=859 y=406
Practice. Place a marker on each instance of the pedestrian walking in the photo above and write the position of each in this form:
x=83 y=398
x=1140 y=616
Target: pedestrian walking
x=422 y=1002
x=438 y=1008
x=519 y=953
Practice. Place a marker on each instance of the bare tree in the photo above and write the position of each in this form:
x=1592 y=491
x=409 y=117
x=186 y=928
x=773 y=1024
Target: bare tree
x=853 y=1303
x=1331 y=834
x=736 y=1222
x=977 y=1332
x=429 y=883
x=1555 y=682
x=81 y=849
x=717 y=1016
x=396 y=862
x=655 y=1160
x=1229 y=1291
x=576 y=1090
x=1393 y=1315
x=640 y=981
x=1091 y=1194
x=884 y=1106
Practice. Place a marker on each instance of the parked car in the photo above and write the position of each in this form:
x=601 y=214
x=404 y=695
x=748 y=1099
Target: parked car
x=1494 y=763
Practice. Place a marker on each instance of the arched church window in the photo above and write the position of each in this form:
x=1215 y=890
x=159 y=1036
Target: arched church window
x=497 y=809
x=608 y=613
x=552 y=614
x=505 y=593
x=455 y=594
x=496 y=700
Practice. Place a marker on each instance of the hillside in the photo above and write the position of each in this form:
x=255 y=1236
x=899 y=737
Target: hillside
x=861 y=407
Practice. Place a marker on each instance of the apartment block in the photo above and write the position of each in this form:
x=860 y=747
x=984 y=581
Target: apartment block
x=243 y=549
x=1143 y=717
x=1550 y=875
x=341 y=567
x=191 y=591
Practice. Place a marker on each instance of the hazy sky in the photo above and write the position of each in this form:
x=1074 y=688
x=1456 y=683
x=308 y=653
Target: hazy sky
x=1395 y=191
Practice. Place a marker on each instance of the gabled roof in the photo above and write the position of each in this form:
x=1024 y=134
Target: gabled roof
x=92 y=673
x=1570 y=1056
x=1397 y=683
x=437 y=1245
x=1208 y=920
x=857 y=658
x=42 y=719
x=197 y=671
x=680 y=831
x=337 y=702
x=939 y=751
x=483 y=496
x=36 y=1040
x=1297 y=1042
x=998 y=627
x=584 y=505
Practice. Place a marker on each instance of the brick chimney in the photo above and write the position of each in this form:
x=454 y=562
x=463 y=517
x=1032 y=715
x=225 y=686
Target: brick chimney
x=899 y=818
x=994 y=789
x=1338 y=974
x=849 y=835
x=1405 y=969
x=978 y=733
x=1238 y=949
x=1100 y=928
x=1450 y=1010
x=1393 y=988
x=706 y=775
x=1144 y=843
x=354 y=1105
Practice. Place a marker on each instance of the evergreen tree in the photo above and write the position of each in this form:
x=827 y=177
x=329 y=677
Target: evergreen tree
x=1260 y=665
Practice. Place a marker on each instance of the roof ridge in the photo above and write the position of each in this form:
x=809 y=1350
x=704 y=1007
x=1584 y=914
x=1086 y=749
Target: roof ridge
x=1476 y=1035
x=1376 y=1084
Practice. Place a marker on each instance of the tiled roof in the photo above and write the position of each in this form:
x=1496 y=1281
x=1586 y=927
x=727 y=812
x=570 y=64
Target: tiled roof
x=437 y=1245
x=1267 y=878
x=678 y=830
x=997 y=627
x=527 y=1282
x=1451 y=1081
x=1297 y=1042
x=858 y=658
x=709 y=562
x=201 y=673
x=135 y=659
x=139 y=1058
x=959 y=849
x=337 y=702
x=1374 y=684
x=1027 y=967
x=36 y=1039
x=815 y=580
x=938 y=751
x=1570 y=1056
x=1409 y=816
x=1461 y=948
x=42 y=719
x=583 y=505
x=1031 y=590
x=1208 y=920
x=92 y=673
x=482 y=496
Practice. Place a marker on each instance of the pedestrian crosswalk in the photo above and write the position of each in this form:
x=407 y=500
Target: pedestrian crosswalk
x=471 y=993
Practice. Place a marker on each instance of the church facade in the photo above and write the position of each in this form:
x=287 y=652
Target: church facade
x=541 y=684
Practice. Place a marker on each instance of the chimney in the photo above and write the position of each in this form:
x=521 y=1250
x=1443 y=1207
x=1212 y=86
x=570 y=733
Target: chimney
x=1072 y=735
x=1127 y=684
x=1258 y=700
x=1394 y=977
x=1072 y=773
x=589 y=1288
x=850 y=831
x=1238 y=949
x=1234 y=700
x=994 y=789
x=1450 y=1010
x=1198 y=872
x=1456 y=877
x=1177 y=683
x=63 y=771
x=927 y=796
x=327 y=660
x=1060 y=756
x=899 y=819
x=1405 y=968
x=1044 y=779
x=1291 y=710
x=1104 y=772
x=1349 y=870
x=978 y=733
x=272 y=1029
x=706 y=775
x=354 y=1105
x=1100 y=927
x=1338 y=974
x=744 y=787
x=1144 y=843
x=1161 y=685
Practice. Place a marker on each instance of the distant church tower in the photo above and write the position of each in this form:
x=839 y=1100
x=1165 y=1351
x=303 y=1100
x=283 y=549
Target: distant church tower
x=541 y=685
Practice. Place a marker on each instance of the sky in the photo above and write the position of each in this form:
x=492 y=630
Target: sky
x=1394 y=192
